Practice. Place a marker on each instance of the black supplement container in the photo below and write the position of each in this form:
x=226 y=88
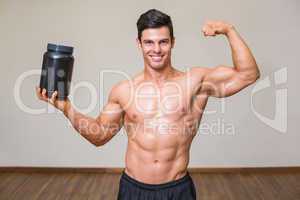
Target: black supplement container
x=57 y=70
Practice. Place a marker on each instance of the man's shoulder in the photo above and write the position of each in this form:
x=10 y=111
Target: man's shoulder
x=197 y=73
x=120 y=86
x=198 y=70
x=118 y=91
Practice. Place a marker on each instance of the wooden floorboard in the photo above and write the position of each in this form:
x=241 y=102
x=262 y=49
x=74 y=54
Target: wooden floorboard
x=12 y=182
x=104 y=186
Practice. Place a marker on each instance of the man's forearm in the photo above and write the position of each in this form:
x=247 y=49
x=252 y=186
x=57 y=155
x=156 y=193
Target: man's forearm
x=242 y=57
x=88 y=127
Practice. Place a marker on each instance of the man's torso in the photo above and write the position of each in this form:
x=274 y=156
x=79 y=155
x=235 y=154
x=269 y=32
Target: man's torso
x=161 y=121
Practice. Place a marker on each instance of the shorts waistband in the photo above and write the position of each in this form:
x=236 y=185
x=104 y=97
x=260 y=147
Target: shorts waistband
x=185 y=178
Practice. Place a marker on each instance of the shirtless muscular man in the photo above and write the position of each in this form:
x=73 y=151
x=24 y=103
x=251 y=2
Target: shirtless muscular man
x=161 y=108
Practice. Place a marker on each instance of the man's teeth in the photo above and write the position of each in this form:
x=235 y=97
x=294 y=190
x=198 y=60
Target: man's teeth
x=156 y=58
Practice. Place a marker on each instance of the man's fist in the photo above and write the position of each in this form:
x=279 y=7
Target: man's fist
x=213 y=28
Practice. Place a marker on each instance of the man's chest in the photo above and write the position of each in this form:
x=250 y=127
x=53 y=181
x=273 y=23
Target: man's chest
x=147 y=100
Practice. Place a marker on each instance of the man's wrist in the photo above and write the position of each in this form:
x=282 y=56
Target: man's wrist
x=68 y=110
x=229 y=30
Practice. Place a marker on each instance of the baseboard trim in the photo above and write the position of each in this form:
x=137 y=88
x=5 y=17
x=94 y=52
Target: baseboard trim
x=291 y=169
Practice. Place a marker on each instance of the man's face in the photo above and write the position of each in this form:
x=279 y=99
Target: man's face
x=156 y=45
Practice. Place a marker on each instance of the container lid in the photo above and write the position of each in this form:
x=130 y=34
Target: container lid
x=60 y=48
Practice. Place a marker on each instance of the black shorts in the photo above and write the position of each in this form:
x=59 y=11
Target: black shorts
x=181 y=189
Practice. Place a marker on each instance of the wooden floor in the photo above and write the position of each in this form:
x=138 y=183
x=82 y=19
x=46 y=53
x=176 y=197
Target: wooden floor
x=104 y=186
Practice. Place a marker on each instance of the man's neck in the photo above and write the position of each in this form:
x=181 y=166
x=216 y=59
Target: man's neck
x=160 y=75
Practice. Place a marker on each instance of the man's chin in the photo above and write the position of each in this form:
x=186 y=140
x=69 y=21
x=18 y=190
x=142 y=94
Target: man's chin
x=157 y=65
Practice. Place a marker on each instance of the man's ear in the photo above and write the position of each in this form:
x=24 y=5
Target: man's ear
x=173 y=42
x=138 y=42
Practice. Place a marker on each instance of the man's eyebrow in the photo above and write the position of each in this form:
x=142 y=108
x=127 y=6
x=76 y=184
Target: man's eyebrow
x=149 y=40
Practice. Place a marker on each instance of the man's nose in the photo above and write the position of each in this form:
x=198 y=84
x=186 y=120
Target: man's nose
x=157 y=48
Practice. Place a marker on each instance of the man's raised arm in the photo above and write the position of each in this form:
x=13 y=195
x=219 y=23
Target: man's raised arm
x=97 y=131
x=223 y=81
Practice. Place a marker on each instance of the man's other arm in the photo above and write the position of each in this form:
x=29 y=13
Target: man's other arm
x=223 y=81
x=99 y=130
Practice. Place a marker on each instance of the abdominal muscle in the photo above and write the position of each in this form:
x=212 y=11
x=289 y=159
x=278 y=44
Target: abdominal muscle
x=154 y=157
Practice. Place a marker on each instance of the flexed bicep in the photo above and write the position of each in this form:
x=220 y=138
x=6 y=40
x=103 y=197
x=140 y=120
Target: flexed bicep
x=222 y=81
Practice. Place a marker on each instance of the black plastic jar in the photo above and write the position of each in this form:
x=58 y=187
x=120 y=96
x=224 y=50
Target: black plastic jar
x=57 y=70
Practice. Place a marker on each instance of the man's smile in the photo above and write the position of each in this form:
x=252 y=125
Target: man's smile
x=156 y=58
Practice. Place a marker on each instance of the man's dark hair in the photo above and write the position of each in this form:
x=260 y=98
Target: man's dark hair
x=154 y=19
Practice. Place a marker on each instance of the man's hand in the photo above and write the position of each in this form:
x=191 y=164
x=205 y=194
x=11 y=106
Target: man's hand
x=61 y=105
x=213 y=28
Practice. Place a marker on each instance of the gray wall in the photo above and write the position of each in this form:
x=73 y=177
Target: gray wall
x=103 y=33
